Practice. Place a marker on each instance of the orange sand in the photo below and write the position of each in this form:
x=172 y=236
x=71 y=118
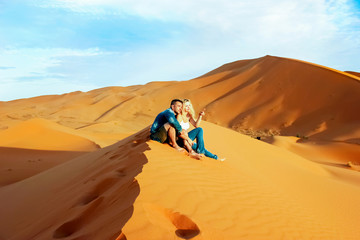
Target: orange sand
x=44 y=135
x=56 y=183
x=17 y=164
x=146 y=190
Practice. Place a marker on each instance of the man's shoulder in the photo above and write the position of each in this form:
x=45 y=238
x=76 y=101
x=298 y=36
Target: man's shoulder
x=169 y=110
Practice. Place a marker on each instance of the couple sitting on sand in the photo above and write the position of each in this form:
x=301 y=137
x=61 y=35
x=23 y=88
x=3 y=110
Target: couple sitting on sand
x=172 y=125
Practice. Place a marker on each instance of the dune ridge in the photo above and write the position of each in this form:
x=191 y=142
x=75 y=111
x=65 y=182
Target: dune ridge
x=357 y=74
x=89 y=197
x=137 y=188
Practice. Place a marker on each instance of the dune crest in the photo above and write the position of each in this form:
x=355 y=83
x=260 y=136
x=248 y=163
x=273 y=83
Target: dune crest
x=357 y=74
x=43 y=134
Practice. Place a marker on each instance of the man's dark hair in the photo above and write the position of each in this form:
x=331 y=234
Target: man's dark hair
x=174 y=101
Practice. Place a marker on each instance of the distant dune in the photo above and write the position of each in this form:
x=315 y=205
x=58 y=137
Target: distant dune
x=264 y=96
x=43 y=134
x=36 y=145
x=80 y=166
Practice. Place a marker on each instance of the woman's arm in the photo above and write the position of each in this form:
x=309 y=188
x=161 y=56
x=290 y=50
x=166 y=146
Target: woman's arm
x=197 y=122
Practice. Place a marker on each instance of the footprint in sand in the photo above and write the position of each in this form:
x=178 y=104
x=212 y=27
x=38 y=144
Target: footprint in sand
x=88 y=199
x=119 y=154
x=72 y=226
x=97 y=191
x=121 y=172
x=167 y=218
x=67 y=229
x=115 y=156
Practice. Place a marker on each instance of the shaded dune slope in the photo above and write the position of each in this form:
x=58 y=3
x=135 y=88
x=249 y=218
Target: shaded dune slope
x=35 y=145
x=89 y=197
x=17 y=164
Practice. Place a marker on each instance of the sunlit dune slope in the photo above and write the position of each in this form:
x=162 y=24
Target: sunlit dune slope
x=264 y=96
x=286 y=96
x=43 y=134
x=320 y=151
x=259 y=192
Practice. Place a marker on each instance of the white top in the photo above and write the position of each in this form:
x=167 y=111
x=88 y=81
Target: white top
x=185 y=125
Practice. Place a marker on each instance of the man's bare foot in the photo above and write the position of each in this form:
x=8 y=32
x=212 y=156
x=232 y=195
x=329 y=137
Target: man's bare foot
x=195 y=155
x=221 y=159
x=178 y=148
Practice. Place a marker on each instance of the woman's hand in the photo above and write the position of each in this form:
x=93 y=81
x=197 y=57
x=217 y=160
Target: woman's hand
x=202 y=113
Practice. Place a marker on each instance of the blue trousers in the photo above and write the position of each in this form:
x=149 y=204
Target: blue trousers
x=199 y=146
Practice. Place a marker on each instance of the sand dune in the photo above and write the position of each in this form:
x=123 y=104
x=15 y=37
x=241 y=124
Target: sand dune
x=273 y=95
x=43 y=134
x=36 y=145
x=89 y=197
x=141 y=189
x=253 y=195
x=320 y=151
x=57 y=183
x=17 y=164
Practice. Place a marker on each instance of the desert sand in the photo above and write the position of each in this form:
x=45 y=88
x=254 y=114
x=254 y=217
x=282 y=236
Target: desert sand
x=81 y=166
x=354 y=73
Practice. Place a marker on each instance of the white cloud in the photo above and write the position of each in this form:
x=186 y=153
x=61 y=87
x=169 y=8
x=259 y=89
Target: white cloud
x=299 y=26
x=321 y=31
x=26 y=60
x=28 y=72
x=12 y=89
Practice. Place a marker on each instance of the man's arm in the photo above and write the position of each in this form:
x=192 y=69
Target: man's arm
x=170 y=116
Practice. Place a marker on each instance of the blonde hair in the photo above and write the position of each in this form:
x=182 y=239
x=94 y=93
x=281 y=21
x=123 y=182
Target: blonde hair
x=192 y=111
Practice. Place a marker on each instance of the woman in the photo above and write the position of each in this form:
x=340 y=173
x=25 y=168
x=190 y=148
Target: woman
x=185 y=118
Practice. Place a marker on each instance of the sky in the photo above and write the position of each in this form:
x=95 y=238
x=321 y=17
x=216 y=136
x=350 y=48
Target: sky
x=60 y=46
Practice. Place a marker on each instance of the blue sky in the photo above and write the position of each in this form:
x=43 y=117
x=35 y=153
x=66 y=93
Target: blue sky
x=59 y=46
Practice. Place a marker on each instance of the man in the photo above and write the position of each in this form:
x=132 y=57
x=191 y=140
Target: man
x=167 y=127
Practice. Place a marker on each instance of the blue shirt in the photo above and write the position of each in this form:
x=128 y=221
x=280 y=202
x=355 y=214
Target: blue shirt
x=166 y=116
